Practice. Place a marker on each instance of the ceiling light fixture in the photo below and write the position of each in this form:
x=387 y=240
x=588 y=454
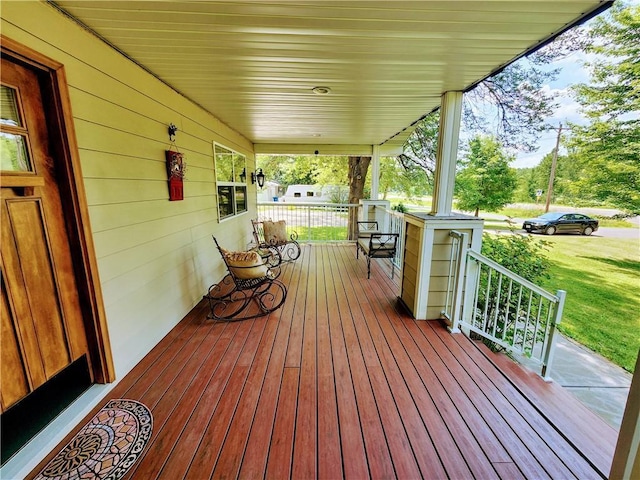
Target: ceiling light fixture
x=321 y=90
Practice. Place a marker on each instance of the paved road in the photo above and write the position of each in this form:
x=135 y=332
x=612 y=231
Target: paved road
x=609 y=232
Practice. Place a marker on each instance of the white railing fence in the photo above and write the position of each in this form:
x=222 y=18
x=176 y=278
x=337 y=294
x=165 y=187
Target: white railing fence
x=395 y=224
x=487 y=299
x=313 y=222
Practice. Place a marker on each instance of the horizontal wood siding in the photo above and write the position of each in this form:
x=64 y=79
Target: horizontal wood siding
x=410 y=266
x=155 y=257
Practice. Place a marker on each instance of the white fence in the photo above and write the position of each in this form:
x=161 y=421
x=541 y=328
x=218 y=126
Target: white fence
x=313 y=222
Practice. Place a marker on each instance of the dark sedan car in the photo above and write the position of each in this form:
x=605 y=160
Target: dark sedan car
x=553 y=222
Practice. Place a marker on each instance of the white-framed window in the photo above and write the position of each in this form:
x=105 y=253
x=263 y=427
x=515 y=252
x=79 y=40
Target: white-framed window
x=231 y=181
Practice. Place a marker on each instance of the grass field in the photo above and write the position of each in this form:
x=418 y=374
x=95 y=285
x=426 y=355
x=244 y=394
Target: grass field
x=602 y=279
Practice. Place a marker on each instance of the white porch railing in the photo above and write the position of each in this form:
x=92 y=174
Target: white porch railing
x=395 y=224
x=485 y=298
x=314 y=222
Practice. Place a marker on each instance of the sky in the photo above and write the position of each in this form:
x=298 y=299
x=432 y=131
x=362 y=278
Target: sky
x=572 y=72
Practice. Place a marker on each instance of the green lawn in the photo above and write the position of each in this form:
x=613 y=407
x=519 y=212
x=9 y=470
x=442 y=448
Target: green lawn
x=602 y=279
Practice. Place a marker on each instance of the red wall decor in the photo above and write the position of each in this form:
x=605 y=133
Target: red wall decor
x=175 y=171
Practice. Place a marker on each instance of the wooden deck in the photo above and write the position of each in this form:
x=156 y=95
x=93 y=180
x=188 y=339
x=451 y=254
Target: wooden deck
x=341 y=383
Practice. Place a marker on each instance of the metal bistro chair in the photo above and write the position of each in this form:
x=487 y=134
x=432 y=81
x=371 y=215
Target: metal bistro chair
x=375 y=244
x=250 y=289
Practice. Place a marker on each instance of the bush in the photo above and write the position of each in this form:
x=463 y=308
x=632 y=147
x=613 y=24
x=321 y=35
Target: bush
x=522 y=254
x=400 y=207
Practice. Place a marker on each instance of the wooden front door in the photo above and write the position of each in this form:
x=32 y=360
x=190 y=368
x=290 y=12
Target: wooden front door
x=42 y=323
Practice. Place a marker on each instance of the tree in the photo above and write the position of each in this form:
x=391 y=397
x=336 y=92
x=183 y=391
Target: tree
x=358 y=167
x=608 y=147
x=486 y=181
x=410 y=181
x=510 y=105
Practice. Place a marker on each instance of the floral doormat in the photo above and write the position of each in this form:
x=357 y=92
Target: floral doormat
x=106 y=447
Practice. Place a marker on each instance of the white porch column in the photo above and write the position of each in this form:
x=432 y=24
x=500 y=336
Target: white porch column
x=375 y=172
x=449 y=129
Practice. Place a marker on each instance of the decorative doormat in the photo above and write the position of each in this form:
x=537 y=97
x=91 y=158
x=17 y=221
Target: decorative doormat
x=106 y=447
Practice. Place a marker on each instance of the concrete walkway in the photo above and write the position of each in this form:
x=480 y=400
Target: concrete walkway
x=601 y=385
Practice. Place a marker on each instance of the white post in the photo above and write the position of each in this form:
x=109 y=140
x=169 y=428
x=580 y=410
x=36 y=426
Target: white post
x=626 y=459
x=375 y=172
x=551 y=342
x=460 y=282
x=445 y=174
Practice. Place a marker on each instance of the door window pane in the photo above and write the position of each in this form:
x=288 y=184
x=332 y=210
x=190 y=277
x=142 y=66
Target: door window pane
x=9 y=107
x=13 y=153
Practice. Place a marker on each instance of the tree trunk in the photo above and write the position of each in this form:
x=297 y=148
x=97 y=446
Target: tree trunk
x=477 y=212
x=358 y=167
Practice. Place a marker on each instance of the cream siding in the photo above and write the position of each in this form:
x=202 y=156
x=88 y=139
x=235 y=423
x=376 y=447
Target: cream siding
x=155 y=257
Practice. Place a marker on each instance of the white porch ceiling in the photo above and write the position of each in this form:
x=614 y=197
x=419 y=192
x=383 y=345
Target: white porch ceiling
x=253 y=64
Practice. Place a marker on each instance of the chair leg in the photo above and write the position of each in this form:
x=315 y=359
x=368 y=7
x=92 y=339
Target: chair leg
x=368 y=267
x=392 y=268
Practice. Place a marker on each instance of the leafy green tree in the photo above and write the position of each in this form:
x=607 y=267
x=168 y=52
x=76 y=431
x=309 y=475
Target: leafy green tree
x=608 y=147
x=510 y=105
x=486 y=181
x=525 y=186
x=412 y=181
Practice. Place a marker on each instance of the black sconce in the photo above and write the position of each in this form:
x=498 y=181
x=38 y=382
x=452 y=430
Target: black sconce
x=172 y=129
x=258 y=177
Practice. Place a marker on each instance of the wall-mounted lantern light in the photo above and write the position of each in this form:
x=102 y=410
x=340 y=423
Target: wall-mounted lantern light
x=258 y=177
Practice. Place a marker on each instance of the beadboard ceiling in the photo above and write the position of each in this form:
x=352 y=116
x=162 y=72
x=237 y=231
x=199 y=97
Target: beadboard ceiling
x=253 y=64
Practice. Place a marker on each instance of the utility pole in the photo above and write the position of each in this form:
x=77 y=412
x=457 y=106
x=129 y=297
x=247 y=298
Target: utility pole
x=552 y=174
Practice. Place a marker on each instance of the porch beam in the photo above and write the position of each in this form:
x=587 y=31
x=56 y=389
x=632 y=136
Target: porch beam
x=310 y=149
x=445 y=171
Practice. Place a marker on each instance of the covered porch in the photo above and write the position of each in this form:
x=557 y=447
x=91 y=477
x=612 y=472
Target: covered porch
x=341 y=382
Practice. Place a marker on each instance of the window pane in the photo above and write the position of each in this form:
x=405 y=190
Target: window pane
x=13 y=153
x=9 y=107
x=225 y=201
x=239 y=166
x=224 y=164
x=241 y=199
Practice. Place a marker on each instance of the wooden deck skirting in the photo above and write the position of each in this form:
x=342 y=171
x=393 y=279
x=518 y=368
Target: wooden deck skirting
x=340 y=382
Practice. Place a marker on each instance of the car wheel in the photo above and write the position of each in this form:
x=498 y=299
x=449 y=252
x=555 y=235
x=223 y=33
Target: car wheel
x=587 y=231
x=550 y=230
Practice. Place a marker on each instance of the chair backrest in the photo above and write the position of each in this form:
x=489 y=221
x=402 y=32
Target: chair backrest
x=247 y=267
x=258 y=231
x=268 y=232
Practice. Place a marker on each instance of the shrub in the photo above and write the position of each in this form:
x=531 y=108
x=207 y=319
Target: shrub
x=400 y=207
x=522 y=254
x=525 y=256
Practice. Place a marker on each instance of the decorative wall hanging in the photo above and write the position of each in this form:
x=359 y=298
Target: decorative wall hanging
x=176 y=167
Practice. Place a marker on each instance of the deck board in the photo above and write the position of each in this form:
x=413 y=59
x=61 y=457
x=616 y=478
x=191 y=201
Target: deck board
x=341 y=383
